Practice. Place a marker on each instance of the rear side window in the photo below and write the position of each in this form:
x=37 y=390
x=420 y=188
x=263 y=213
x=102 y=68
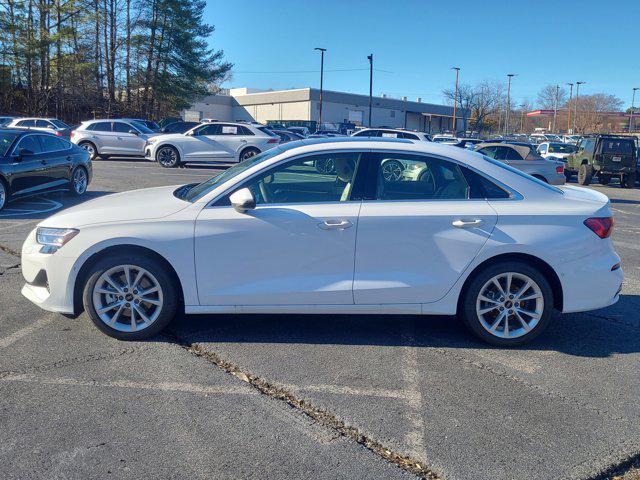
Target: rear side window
x=481 y=187
x=100 y=127
x=26 y=123
x=230 y=130
x=30 y=142
x=417 y=177
x=410 y=136
x=511 y=154
x=52 y=144
x=620 y=147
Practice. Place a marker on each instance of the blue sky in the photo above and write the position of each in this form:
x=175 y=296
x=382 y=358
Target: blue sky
x=415 y=43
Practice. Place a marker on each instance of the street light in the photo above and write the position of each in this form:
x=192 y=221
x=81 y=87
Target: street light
x=370 y=58
x=455 y=99
x=575 y=109
x=633 y=101
x=569 y=109
x=321 y=50
x=506 y=120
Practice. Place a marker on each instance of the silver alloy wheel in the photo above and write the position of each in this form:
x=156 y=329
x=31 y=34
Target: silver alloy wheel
x=127 y=298
x=89 y=148
x=248 y=154
x=510 y=305
x=392 y=171
x=3 y=195
x=79 y=181
x=167 y=156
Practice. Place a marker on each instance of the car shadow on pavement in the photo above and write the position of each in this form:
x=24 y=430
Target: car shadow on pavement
x=599 y=334
x=624 y=200
x=45 y=205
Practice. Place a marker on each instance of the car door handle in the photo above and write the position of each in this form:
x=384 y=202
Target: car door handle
x=335 y=224
x=476 y=222
x=69 y=158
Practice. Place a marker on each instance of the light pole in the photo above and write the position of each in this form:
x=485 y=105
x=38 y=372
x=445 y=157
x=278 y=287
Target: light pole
x=569 y=109
x=506 y=120
x=321 y=50
x=575 y=109
x=370 y=58
x=455 y=99
x=633 y=101
x=555 y=108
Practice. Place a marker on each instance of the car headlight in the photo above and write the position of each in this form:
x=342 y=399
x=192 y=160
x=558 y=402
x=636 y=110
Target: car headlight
x=152 y=140
x=54 y=238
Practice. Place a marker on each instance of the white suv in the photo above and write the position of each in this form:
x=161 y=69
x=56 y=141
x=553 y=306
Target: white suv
x=211 y=142
x=51 y=125
x=105 y=138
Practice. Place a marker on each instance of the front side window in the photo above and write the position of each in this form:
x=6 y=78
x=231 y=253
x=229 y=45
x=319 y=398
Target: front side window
x=209 y=129
x=488 y=151
x=416 y=177
x=312 y=179
x=43 y=124
x=120 y=127
x=31 y=143
x=6 y=140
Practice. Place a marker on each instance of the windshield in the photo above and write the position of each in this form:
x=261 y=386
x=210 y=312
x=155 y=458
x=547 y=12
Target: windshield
x=520 y=173
x=6 y=139
x=561 y=148
x=205 y=187
x=142 y=127
x=59 y=124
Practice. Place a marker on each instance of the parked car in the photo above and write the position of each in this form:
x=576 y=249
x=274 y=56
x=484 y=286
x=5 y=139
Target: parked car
x=34 y=162
x=150 y=124
x=329 y=133
x=391 y=133
x=525 y=158
x=179 y=127
x=538 y=138
x=112 y=138
x=211 y=142
x=445 y=138
x=4 y=121
x=573 y=139
x=604 y=156
x=294 y=240
x=51 y=125
x=555 y=151
x=304 y=131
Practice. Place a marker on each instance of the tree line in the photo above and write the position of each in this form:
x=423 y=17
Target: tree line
x=483 y=108
x=79 y=59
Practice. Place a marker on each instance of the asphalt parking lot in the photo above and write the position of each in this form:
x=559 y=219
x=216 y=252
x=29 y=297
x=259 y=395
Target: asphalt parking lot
x=272 y=396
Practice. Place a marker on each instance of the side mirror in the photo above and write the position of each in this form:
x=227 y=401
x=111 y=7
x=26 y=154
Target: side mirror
x=23 y=152
x=135 y=132
x=242 y=200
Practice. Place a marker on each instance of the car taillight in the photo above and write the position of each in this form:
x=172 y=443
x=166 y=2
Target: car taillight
x=58 y=134
x=273 y=140
x=73 y=132
x=601 y=226
x=560 y=169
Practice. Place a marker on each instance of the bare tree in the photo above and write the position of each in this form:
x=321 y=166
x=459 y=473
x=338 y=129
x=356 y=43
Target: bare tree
x=547 y=97
x=593 y=112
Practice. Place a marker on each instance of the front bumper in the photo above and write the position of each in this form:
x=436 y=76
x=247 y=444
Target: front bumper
x=49 y=277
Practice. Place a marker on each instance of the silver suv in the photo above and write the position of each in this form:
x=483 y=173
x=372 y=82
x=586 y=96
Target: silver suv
x=118 y=138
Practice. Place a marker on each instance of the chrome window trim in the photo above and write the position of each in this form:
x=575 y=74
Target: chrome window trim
x=42 y=134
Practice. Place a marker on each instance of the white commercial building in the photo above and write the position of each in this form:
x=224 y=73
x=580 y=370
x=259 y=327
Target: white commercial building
x=337 y=107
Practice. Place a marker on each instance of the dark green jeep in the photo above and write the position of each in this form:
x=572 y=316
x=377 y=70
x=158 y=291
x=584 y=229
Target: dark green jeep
x=604 y=156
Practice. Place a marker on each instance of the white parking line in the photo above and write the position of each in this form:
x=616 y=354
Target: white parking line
x=15 y=336
x=415 y=436
x=128 y=384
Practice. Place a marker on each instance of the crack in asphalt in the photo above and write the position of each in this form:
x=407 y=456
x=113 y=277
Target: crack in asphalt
x=10 y=251
x=322 y=417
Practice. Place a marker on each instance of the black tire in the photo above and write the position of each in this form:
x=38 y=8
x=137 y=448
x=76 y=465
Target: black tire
x=585 y=174
x=248 y=153
x=629 y=180
x=168 y=287
x=469 y=298
x=568 y=175
x=168 y=156
x=91 y=148
x=4 y=193
x=74 y=187
x=604 y=178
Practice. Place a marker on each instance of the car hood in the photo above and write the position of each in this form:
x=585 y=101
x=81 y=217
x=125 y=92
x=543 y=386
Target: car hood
x=148 y=203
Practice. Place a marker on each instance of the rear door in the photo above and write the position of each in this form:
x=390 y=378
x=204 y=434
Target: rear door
x=31 y=172
x=232 y=138
x=203 y=145
x=418 y=233
x=129 y=143
x=103 y=136
x=57 y=154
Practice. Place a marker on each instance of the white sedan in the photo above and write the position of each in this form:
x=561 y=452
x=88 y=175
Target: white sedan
x=211 y=142
x=276 y=234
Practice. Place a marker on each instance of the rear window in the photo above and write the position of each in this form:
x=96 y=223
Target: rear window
x=267 y=131
x=621 y=147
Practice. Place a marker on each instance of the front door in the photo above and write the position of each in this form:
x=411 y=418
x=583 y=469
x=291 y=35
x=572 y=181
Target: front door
x=295 y=248
x=417 y=231
x=128 y=142
x=30 y=170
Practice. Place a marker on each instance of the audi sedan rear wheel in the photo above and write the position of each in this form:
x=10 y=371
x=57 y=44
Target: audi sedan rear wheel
x=508 y=303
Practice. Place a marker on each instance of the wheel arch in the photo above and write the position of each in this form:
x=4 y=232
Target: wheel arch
x=78 y=285
x=86 y=140
x=248 y=147
x=168 y=143
x=546 y=269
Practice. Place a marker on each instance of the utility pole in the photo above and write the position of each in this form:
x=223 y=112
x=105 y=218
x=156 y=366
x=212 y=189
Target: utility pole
x=555 y=109
x=522 y=107
x=455 y=100
x=633 y=101
x=569 y=105
x=506 y=120
x=370 y=58
x=321 y=50
x=575 y=110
